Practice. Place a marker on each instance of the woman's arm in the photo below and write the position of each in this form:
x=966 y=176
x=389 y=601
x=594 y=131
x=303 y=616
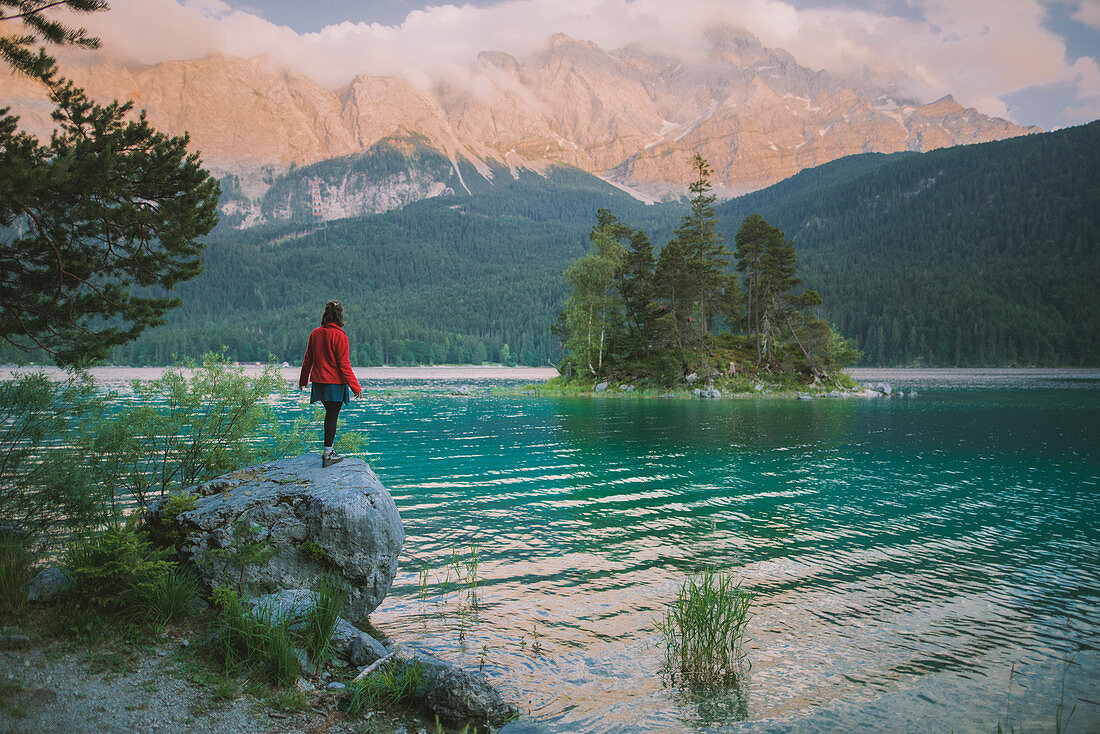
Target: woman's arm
x=307 y=363
x=344 y=355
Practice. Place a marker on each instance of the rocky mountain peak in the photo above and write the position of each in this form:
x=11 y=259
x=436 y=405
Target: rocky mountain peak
x=633 y=115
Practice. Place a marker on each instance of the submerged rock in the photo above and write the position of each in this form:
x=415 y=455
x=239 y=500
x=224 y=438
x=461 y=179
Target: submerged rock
x=309 y=520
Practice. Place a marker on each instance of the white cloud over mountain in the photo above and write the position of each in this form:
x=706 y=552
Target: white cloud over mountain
x=981 y=51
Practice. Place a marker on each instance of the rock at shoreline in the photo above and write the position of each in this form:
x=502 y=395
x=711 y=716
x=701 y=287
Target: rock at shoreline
x=456 y=695
x=707 y=393
x=338 y=519
x=600 y=387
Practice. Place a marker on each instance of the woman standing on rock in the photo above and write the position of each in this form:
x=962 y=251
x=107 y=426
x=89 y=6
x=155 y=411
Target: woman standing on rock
x=328 y=366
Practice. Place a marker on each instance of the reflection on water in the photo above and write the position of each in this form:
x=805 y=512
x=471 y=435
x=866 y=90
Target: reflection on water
x=908 y=554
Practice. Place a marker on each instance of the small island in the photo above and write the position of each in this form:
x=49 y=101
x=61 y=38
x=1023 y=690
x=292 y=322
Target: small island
x=682 y=323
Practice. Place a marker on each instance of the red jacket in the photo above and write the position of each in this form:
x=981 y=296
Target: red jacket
x=326 y=359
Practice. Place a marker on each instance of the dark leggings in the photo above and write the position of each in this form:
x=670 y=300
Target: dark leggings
x=332 y=412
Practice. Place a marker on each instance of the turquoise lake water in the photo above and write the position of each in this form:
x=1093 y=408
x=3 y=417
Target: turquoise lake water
x=926 y=563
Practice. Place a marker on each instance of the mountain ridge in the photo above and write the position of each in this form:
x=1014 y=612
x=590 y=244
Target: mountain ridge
x=632 y=116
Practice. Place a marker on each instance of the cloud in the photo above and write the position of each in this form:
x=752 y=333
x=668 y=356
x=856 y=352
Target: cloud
x=1088 y=13
x=981 y=51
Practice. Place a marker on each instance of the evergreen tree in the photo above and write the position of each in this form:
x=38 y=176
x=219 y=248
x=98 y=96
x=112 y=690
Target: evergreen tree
x=108 y=207
x=751 y=240
x=705 y=257
x=100 y=224
x=36 y=27
x=777 y=279
x=637 y=291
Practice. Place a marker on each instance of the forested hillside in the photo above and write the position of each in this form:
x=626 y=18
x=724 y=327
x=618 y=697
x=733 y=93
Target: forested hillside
x=976 y=255
x=450 y=279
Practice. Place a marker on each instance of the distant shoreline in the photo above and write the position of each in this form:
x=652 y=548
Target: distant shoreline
x=927 y=376
x=120 y=374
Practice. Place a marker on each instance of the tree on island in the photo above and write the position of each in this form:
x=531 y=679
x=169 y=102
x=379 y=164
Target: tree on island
x=99 y=224
x=631 y=316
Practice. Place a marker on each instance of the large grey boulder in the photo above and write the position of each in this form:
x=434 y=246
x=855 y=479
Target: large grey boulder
x=456 y=695
x=312 y=520
x=48 y=585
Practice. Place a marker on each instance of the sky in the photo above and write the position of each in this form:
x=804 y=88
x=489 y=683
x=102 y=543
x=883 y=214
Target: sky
x=1035 y=62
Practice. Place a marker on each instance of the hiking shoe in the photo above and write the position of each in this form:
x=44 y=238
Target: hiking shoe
x=328 y=460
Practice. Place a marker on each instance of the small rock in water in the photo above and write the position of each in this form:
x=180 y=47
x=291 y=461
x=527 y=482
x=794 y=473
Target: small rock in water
x=461 y=391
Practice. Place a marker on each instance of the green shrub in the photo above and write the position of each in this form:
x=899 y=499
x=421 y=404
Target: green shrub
x=246 y=548
x=193 y=423
x=164 y=530
x=704 y=629
x=46 y=486
x=115 y=566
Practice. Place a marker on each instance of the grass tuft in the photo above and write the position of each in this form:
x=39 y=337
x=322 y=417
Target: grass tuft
x=253 y=637
x=15 y=572
x=384 y=688
x=704 y=630
x=329 y=598
x=165 y=599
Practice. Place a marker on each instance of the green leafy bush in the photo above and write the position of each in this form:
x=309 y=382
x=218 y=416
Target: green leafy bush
x=193 y=423
x=46 y=488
